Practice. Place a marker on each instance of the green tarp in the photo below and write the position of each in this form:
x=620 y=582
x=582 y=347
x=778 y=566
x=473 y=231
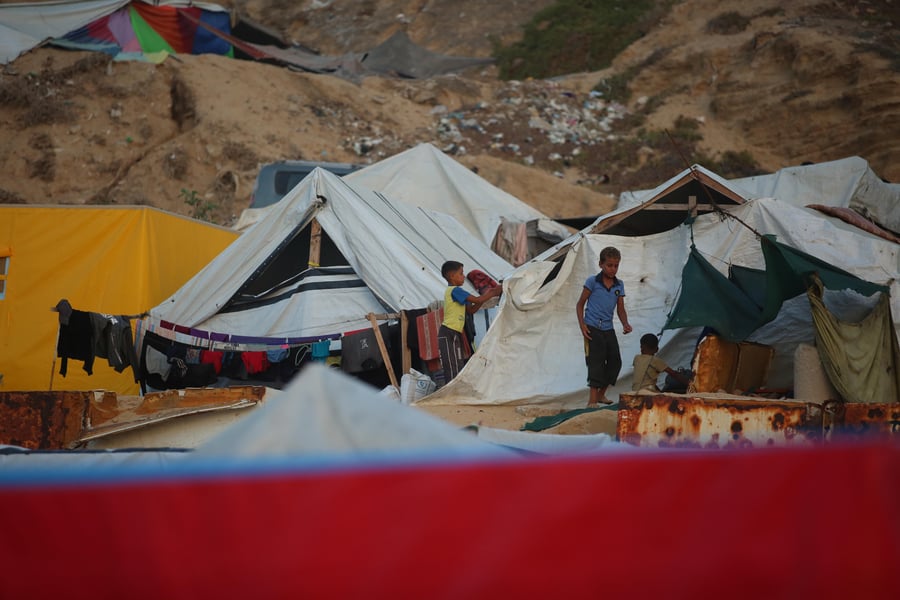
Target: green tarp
x=546 y=422
x=738 y=305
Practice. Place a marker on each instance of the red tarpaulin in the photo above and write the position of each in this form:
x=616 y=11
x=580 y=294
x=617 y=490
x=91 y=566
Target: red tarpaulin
x=802 y=523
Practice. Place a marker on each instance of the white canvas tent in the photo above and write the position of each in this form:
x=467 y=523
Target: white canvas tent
x=24 y=26
x=376 y=254
x=533 y=352
x=327 y=413
x=847 y=183
x=425 y=176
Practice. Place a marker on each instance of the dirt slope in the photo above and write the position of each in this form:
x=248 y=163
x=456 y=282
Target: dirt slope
x=812 y=81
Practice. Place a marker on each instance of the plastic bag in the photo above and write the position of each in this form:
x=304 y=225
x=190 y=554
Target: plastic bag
x=414 y=386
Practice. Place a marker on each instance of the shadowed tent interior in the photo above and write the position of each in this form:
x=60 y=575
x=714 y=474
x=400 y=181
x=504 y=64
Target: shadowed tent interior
x=288 y=272
x=692 y=192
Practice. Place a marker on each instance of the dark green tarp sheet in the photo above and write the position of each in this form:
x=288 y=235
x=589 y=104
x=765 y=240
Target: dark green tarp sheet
x=546 y=422
x=738 y=305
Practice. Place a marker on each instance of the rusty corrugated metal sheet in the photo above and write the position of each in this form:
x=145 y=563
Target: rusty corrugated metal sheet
x=65 y=419
x=670 y=420
x=856 y=420
x=43 y=420
x=117 y=415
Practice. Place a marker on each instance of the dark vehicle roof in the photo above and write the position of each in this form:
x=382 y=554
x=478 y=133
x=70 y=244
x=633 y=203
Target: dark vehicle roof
x=276 y=179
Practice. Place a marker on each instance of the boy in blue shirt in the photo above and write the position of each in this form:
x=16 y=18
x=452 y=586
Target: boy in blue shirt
x=603 y=295
x=457 y=302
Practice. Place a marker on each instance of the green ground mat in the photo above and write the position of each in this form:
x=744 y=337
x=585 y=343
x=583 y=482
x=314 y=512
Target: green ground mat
x=542 y=423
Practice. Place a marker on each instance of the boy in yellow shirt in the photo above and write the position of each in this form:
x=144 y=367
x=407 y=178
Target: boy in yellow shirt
x=457 y=302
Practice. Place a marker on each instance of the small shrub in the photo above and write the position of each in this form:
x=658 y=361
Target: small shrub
x=226 y=185
x=576 y=35
x=100 y=198
x=47 y=110
x=772 y=12
x=7 y=197
x=366 y=8
x=728 y=23
x=16 y=93
x=41 y=141
x=184 y=107
x=615 y=87
x=732 y=164
x=202 y=209
x=95 y=61
x=687 y=129
x=44 y=168
x=245 y=158
x=146 y=131
x=796 y=94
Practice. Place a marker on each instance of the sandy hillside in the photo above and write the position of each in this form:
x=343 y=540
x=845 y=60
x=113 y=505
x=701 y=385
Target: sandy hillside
x=810 y=81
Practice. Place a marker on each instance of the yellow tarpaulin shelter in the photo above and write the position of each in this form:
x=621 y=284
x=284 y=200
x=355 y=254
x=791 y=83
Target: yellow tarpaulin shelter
x=115 y=260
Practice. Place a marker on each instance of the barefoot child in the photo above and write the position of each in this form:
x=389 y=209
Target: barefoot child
x=602 y=295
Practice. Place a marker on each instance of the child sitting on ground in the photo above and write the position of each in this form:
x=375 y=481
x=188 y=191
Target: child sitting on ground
x=648 y=366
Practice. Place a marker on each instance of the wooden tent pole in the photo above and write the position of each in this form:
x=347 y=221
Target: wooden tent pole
x=383 y=348
x=55 y=346
x=315 y=244
x=404 y=328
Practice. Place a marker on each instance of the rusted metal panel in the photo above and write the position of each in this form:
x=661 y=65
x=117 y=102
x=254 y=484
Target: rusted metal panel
x=65 y=419
x=714 y=364
x=43 y=420
x=857 y=420
x=155 y=402
x=727 y=367
x=676 y=421
x=130 y=413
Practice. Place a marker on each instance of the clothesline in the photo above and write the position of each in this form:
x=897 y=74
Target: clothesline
x=227 y=341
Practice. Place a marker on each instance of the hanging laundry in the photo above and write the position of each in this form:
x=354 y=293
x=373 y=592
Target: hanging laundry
x=360 y=352
x=75 y=338
x=255 y=362
x=212 y=357
x=156 y=362
x=113 y=341
x=427 y=326
x=278 y=355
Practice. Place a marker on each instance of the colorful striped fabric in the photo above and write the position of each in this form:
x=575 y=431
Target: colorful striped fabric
x=143 y=28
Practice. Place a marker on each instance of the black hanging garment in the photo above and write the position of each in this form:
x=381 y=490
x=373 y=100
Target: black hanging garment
x=75 y=339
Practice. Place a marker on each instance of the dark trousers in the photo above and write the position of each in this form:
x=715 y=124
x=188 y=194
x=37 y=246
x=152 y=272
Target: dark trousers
x=603 y=360
x=453 y=355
